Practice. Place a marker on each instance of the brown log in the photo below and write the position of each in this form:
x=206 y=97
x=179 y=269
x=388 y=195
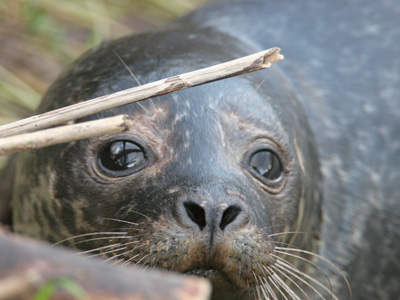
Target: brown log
x=26 y=266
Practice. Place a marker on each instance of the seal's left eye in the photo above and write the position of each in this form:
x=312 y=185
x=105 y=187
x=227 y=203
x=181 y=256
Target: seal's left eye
x=266 y=163
x=122 y=157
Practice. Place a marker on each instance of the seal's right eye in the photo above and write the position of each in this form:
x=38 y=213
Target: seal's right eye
x=121 y=158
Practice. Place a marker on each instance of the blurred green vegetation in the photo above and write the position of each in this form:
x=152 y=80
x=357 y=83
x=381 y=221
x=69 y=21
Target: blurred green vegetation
x=39 y=37
x=63 y=283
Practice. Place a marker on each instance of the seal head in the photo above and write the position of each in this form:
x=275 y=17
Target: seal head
x=213 y=181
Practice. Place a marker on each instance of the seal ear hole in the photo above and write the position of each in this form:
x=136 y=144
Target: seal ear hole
x=121 y=157
x=266 y=165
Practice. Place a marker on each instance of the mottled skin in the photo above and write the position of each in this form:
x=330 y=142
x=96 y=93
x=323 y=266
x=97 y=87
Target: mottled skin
x=342 y=66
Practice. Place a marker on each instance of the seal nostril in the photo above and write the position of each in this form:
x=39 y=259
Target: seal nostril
x=229 y=216
x=196 y=213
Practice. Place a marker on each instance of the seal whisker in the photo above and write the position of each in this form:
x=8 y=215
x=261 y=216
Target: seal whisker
x=127 y=262
x=326 y=288
x=286 y=232
x=111 y=251
x=302 y=280
x=264 y=279
x=129 y=251
x=308 y=261
x=118 y=261
x=305 y=260
x=268 y=288
x=284 y=244
x=120 y=254
x=135 y=229
x=124 y=254
x=293 y=271
x=105 y=253
x=291 y=280
x=257 y=288
x=99 y=248
x=126 y=221
x=85 y=235
x=117 y=244
x=140 y=260
x=101 y=238
x=281 y=234
x=260 y=284
x=282 y=283
x=131 y=243
x=325 y=260
x=133 y=76
x=126 y=67
x=257 y=292
x=274 y=282
x=272 y=227
x=123 y=221
x=265 y=291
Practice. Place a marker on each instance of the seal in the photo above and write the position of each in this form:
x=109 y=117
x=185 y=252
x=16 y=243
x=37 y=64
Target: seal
x=224 y=180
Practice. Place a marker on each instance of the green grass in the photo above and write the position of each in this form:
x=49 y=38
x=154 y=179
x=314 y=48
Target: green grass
x=65 y=284
x=39 y=37
x=42 y=36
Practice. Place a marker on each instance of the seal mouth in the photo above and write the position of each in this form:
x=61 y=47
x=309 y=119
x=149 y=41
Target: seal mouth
x=217 y=277
x=223 y=287
x=206 y=273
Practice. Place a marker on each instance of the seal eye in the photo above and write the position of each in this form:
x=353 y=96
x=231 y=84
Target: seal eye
x=266 y=163
x=122 y=157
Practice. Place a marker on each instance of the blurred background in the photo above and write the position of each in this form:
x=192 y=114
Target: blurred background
x=39 y=37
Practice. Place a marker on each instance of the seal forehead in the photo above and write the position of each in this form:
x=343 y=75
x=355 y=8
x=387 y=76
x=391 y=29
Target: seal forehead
x=201 y=124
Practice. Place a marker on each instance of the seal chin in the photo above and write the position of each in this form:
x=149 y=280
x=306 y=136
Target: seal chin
x=223 y=287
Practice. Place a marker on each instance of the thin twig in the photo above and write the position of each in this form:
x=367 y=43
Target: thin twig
x=64 y=134
x=254 y=62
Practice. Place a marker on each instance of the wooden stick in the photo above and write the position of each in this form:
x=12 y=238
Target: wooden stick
x=254 y=62
x=27 y=265
x=64 y=134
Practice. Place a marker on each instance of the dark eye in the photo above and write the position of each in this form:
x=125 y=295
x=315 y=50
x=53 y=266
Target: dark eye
x=122 y=157
x=266 y=163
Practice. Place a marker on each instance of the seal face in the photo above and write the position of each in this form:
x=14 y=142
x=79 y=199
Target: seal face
x=218 y=181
